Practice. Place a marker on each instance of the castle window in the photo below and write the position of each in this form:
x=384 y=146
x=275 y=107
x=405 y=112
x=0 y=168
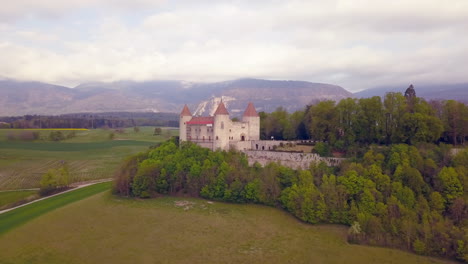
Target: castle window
x=242 y=138
x=222 y=125
x=216 y=137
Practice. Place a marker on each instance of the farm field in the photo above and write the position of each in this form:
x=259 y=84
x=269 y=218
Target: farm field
x=90 y=155
x=9 y=197
x=108 y=229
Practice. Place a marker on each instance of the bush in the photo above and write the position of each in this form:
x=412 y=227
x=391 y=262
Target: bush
x=56 y=136
x=419 y=247
x=323 y=149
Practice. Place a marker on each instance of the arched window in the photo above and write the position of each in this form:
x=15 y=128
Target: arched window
x=216 y=137
x=242 y=138
x=222 y=125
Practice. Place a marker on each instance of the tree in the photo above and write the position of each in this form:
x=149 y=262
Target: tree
x=347 y=122
x=451 y=185
x=370 y=120
x=395 y=108
x=321 y=121
x=157 y=131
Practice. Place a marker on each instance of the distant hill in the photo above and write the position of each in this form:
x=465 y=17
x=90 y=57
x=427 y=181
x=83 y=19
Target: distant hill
x=432 y=91
x=20 y=98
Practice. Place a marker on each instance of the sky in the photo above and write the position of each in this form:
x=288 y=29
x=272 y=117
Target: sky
x=357 y=44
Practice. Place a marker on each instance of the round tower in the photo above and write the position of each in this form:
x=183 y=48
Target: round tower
x=221 y=128
x=253 y=119
x=185 y=116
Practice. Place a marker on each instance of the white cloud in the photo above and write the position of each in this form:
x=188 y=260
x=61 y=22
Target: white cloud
x=356 y=44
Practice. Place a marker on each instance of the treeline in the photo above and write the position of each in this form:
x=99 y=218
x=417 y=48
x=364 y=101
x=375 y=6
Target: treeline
x=95 y=120
x=398 y=196
x=350 y=122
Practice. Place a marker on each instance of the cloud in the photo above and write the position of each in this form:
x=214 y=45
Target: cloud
x=18 y=9
x=356 y=44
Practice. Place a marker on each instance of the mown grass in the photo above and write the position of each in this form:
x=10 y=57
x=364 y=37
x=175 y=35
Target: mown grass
x=108 y=229
x=10 y=197
x=19 y=216
x=90 y=155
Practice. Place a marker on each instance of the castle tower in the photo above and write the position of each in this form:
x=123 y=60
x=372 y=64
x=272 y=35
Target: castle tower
x=185 y=116
x=251 y=116
x=221 y=128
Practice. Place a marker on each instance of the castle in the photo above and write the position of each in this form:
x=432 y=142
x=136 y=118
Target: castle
x=219 y=131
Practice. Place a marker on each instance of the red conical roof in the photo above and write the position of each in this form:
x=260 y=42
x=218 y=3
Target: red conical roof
x=185 y=111
x=250 y=110
x=221 y=110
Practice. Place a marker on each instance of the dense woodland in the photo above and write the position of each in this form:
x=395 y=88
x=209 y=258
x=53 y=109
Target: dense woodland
x=354 y=122
x=403 y=187
x=92 y=120
x=408 y=197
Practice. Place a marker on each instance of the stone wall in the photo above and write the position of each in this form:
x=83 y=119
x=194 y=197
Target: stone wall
x=266 y=144
x=289 y=159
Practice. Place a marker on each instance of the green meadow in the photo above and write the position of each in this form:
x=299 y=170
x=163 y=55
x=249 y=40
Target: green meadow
x=90 y=155
x=108 y=229
x=11 y=219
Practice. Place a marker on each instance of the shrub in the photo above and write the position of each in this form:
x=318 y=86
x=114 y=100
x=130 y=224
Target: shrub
x=322 y=149
x=419 y=247
x=56 y=136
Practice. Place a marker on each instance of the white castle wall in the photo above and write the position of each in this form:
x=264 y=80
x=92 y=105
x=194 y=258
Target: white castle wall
x=292 y=160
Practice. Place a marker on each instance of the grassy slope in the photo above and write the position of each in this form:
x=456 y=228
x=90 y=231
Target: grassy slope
x=90 y=155
x=17 y=217
x=107 y=229
x=14 y=196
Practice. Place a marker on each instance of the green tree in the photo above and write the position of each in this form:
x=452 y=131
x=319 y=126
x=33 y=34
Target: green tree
x=321 y=121
x=451 y=185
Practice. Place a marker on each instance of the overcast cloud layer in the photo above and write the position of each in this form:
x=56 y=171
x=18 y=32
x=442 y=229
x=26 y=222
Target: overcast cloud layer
x=357 y=44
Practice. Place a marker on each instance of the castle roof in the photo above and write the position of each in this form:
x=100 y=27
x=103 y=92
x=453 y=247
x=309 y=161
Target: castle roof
x=201 y=120
x=250 y=110
x=185 y=111
x=221 y=110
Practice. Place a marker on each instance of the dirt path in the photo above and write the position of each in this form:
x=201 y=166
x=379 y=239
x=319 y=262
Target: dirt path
x=74 y=185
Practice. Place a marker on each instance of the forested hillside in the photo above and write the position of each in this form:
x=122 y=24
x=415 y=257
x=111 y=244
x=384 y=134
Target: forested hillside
x=402 y=185
x=399 y=196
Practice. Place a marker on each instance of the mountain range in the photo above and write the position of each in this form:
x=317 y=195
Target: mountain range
x=20 y=98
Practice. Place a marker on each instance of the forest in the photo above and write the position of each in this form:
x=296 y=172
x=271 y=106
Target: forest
x=404 y=184
x=355 y=122
x=91 y=120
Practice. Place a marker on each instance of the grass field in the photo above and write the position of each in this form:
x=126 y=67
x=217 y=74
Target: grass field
x=19 y=216
x=90 y=155
x=108 y=229
x=10 y=197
